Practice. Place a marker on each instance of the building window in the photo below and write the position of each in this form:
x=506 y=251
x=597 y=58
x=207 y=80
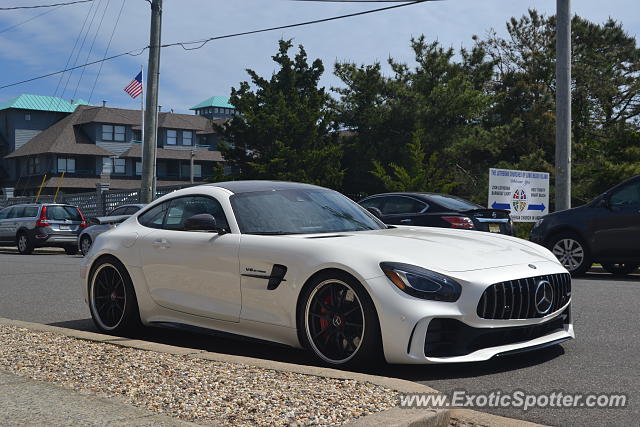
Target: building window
x=107 y=165
x=119 y=133
x=113 y=133
x=186 y=171
x=66 y=164
x=187 y=137
x=172 y=137
x=27 y=117
x=119 y=165
x=138 y=168
x=33 y=165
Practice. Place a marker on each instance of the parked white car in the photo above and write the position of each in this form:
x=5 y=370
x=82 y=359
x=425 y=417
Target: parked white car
x=307 y=267
x=105 y=223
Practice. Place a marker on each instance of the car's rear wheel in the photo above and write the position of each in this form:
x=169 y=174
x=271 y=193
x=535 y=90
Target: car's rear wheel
x=85 y=244
x=112 y=299
x=25 y=247
x=340 y=322
x=620 y=269
x=572 y=253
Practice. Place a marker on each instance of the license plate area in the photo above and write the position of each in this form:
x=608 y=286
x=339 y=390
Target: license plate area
x=494 y=228
x=64 y=227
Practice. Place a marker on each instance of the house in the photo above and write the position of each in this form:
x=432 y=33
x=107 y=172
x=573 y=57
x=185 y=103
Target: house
x=92 y=145
x=24 y=117
x=216 y=107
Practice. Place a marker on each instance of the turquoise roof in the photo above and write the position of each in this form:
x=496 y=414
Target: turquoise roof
x=214 y=101
x=41 y=103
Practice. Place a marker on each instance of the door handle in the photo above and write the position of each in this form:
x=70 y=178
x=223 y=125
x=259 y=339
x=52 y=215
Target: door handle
x=161 y=244
x=406 y=220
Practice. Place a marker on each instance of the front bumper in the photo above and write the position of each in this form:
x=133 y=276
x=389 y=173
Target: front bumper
x=416 y=331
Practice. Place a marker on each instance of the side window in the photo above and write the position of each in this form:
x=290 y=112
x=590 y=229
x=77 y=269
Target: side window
x=183 y=208
x=375 y=202
x=4 y=213
x=627 y=195
x=18 y=212
x=118 y=211
x=130 y=210
x=154 y=217
x=397 y=205
x=31 y=211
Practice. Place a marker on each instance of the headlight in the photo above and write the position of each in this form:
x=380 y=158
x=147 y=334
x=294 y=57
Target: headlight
x=422 y=283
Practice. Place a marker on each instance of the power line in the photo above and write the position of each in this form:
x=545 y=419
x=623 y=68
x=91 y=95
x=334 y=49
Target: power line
x=113 y=32
x=4 y=30
x=137 y=52
x=45 y=5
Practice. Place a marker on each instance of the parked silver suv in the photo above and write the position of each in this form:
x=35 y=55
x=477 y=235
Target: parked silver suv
x=31 y=226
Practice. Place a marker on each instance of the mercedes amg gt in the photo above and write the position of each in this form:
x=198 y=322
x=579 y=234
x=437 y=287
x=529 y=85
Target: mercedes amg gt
x=307 y=267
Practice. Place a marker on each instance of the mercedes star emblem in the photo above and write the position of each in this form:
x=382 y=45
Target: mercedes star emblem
x=544 y=297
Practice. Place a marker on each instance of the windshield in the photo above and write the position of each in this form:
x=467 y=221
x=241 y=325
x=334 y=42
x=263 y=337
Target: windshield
x=62 y=213
x=454 y=203
x=300 y=212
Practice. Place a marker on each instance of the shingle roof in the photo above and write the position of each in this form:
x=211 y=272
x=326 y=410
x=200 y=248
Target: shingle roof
x=214 y=101
x=66 y=136
x=163 y=153
x=41 y=103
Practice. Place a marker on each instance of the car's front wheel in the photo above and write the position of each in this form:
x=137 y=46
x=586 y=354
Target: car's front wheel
x=85 y=244
x=112 y=299
x=619 y=269
x=340 y=322
x=572 y=253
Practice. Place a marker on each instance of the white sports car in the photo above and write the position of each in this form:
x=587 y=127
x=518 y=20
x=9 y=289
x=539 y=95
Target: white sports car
x=307 y=267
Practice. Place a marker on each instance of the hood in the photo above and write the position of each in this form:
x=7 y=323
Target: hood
x=442 y=249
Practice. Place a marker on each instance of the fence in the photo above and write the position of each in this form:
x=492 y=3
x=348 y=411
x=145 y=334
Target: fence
x=94 y=203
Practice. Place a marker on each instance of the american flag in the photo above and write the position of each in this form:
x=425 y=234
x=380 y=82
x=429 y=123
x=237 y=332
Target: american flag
x=135 y=87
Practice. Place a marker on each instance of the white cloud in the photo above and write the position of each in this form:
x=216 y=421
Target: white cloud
x=44 y=44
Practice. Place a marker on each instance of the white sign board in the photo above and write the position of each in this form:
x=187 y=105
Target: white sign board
x=524 y=193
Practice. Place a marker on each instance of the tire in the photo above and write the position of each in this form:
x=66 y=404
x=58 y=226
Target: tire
x=338 y=323
x=619 y=269
x=25 y=247
x=112 y=299
x=572 y=252
x=85 y=244
x=71 y=250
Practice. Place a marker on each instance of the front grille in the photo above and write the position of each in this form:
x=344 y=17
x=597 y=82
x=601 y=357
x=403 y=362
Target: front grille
x=515 y=299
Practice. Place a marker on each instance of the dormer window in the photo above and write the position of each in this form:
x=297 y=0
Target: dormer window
x=113 y=133
x=172 y=137
x=187 y=137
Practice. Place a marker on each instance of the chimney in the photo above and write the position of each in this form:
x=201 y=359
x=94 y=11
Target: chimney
x=172 y=110
x=104 y=103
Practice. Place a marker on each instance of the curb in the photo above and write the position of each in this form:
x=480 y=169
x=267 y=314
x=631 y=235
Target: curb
x=391 y=418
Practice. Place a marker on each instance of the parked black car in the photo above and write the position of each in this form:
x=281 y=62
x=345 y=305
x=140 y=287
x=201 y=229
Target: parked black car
x=605 y=230
x=436 y=210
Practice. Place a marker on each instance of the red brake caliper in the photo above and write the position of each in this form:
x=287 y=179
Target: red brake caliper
x=324 y=323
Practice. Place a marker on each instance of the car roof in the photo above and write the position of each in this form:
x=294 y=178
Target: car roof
x=238 y=187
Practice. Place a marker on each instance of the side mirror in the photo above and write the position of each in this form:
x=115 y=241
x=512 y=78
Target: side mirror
x=604 y=202
x=376 y=212
x=203 y=222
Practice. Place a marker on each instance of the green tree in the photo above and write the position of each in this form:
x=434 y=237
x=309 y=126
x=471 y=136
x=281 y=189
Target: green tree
x=285 y=129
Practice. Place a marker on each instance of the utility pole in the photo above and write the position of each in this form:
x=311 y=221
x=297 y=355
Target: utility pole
x=563 y=105
x=147 y=187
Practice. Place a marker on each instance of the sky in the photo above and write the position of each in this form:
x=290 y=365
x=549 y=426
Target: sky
x=45 y=43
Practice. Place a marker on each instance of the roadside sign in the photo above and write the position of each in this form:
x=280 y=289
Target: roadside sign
x=524 y=193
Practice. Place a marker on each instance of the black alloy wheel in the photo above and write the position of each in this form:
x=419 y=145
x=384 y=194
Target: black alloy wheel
x=340 y=323
x=112 y=301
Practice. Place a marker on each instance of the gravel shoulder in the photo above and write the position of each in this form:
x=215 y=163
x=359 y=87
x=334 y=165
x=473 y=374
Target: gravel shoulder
x=187 y=388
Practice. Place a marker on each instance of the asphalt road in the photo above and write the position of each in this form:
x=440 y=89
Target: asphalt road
x=605 y=357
